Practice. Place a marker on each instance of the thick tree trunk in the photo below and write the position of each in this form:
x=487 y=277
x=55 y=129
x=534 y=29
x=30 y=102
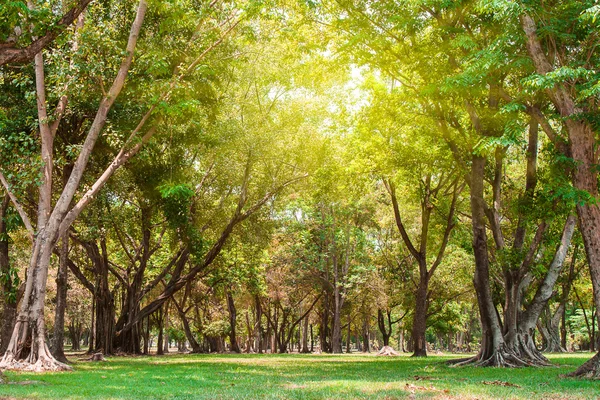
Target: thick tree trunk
x=336 y=336
x=27 y=349
x=520 y=338
x=493 y=350
x=58 y=337
x=549 y=327
x=420 y=319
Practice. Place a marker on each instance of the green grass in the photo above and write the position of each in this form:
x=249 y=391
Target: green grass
x=299 y=377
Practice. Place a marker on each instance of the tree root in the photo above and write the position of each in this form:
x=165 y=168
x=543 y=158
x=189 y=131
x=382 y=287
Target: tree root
x=590 y=369
x=499 y=358
x=387 y=351
x=42 y=364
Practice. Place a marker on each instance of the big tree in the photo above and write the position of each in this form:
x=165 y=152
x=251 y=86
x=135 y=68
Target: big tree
x=55 y=212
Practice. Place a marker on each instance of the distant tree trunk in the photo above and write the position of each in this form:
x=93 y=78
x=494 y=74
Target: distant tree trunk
x=563 y=329
x=160 y=340
x=549 y=328
x=324 y=325
x=365 y=335
x=182 y=313
x=146 y=335
x=338 y=302
x=9 y=305
x=401 y=340
x=232 y=322
x=249 y=341
x=348 y=338
x=166 y=328
x=105 y=303
x=386 y=332
x=75 y=332
x=58 y=337
x=259 y=328
x=305 y=327
x=92 y=330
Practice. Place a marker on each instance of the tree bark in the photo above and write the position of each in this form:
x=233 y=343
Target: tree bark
x=420 y=320
x=58 y=339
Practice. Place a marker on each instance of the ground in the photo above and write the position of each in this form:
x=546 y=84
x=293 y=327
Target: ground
x=299 y=377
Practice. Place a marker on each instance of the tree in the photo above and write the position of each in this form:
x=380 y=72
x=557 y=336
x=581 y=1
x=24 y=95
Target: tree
x=53 y=221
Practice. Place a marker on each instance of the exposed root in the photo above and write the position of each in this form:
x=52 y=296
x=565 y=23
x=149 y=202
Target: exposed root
x=526 y=350
x=458 y=362
x=590 y=369
x=499 y=358
x=387 y=351
x=42 y=364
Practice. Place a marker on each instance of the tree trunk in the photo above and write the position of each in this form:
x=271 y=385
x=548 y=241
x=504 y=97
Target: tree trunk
x=260 y=335
x=519 y=338
x=420 y=319
x=386 y=332
x=336 y=338
x=305 y=327
x=166 y=328
x=187 y=330
x=9 y=291
x=365 y=335
x=92 y=331
x=58 y=338
x=232 y=322
x=27 y=349
x=160 y=340
x=348 y=338
x=493 y=350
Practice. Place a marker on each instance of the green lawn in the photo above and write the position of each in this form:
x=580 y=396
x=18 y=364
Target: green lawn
x=299 y=377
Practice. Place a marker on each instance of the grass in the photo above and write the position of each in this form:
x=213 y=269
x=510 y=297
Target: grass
x=299 y=377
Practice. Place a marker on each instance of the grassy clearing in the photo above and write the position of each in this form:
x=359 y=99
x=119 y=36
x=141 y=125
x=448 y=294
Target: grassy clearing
x=299 y=377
